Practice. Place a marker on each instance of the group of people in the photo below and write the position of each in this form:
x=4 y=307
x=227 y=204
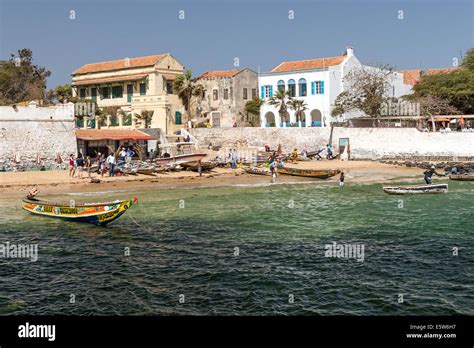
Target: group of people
x=80 y=164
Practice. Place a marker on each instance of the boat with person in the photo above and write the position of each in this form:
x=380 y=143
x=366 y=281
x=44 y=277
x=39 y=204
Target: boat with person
x=96 y=213
x=421 y=189
x=462 y=177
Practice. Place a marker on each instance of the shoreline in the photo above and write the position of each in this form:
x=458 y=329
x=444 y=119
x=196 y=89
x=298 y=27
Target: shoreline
x=16 y=184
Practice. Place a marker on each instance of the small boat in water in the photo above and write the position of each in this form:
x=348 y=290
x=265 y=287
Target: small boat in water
x=462 y=177
x=308 y=173
x=95 y=213
x=405 y=190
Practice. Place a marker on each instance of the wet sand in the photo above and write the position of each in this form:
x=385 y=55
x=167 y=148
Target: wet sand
x=16 y=184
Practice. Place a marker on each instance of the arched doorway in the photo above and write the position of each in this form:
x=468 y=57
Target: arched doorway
x=285 y=119
x=316 y=118
x=270 y=119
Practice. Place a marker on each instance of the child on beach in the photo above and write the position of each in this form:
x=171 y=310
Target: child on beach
x=72 y=170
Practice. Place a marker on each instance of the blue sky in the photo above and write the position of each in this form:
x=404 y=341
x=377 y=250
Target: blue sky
x=214 y=32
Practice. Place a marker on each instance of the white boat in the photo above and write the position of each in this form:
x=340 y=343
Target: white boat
x=404 y=190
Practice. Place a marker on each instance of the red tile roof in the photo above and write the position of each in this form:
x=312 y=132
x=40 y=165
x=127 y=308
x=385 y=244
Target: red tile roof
x=219 y=73
x=110 y=79
x=112 y=134
x=309 y=64
x=411 y=77
x=124 y=63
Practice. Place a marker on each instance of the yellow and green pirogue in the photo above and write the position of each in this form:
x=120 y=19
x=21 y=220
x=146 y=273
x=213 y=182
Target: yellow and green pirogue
x=95 y=213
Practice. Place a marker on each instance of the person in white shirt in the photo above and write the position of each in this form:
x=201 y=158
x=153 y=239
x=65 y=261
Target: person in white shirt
x=111 y=161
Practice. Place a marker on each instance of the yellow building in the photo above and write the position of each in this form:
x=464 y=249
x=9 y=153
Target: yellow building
x=133 y=84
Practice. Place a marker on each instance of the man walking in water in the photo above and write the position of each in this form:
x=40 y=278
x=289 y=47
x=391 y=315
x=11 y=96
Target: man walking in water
x=429 y=173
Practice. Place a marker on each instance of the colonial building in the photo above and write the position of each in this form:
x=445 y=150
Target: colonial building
x=134 y=84
x=316 y=81
x=225 y=94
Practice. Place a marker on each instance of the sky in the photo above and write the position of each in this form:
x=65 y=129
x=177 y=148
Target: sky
x=260 y=33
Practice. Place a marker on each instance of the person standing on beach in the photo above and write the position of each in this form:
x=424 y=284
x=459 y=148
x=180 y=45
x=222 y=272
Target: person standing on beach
x=72 y=170
x=101 y=163
x=123 y=154
x=111 y=161
x=88 y=165
x=341 y=180
x=80 y=164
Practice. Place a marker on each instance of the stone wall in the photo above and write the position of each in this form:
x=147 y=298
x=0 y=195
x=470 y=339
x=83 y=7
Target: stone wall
x=33 y=137
x=365 y=143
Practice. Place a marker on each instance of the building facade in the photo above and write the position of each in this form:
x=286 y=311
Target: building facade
x=134 y=85
x=225 y=94
x=318 y=82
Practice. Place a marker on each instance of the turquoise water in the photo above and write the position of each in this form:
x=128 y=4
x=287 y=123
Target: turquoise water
x=183 y=242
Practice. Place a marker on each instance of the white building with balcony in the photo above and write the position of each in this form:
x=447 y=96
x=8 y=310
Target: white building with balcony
x=316 y=81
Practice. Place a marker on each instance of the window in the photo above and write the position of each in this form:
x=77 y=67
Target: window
x=302 y=87
x=117 y=92
x=169 y=86
x=215 y=94
x=268 y=91
x=231 y=89
x=292 y=88
x=94 y=93
x=254 y=93
x=281 y=85
x=142 y=88
x=317 y=87
x=178 y=118
x=105 y=92
x=226 y=94
x=82 y=93
x=245 y=93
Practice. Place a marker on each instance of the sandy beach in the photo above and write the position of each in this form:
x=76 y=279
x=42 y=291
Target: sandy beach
x=16 y=184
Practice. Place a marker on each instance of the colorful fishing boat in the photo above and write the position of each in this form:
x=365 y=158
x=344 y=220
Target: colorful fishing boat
x=308 y=173
x=95 y=213
x=462 y=177
x=422 y=189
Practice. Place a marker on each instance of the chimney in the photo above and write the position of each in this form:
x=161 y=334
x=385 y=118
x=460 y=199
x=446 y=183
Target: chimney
x=349 y=51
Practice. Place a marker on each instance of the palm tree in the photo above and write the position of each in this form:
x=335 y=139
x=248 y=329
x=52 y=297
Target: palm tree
x=145 y=117
x=186 y=87
x=299 y=106
x=280 y=100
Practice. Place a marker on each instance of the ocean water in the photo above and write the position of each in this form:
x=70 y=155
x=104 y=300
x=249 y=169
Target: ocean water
x=248 y=251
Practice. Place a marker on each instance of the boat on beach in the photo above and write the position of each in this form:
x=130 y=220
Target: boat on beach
x=257 y=171
x=194 y=166
x=404 y=190
x=462 y=177
x=96 y=213
x=180 y=159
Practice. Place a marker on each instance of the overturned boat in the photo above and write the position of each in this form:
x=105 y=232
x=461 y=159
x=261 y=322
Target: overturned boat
x=404 y=190
x=95 y=213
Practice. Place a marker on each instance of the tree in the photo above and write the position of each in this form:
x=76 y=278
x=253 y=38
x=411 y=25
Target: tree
x=186 y=87
x=21 y=80
x=454 y=85
x=280 y=100
x=367 y=89
x=145 y=117
x=61 y=94
x=300 y=107
x=252 y=108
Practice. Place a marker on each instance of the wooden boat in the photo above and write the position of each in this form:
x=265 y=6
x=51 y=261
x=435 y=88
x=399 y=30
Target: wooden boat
x=404 y=190
x=194 y=166
x=462 y=177
x=308 y=173
x=95 y=213
x=180 y=159
x=257 y=171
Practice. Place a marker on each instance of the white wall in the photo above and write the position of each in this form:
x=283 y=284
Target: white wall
x=365 y=143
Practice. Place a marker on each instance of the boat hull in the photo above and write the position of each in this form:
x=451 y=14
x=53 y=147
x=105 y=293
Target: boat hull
x=308 y=173
x=181 y=159
x=257 y=171
x=461 y=177
x=422 y=189
x=97 y=213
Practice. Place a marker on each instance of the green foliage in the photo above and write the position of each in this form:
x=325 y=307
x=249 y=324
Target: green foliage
x=145 y=117
x=252 y=108
x=186 y=87
x=456 y=87
x=281 y=101
x=61 y=94
x=299 y=106
x=21 y=80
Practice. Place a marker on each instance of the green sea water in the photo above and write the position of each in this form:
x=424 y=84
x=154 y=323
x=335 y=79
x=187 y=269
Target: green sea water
x=248 y=250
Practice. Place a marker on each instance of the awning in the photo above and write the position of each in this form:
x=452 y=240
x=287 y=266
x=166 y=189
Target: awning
x=112 y=134
x=170 y=77
x=109 y=79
